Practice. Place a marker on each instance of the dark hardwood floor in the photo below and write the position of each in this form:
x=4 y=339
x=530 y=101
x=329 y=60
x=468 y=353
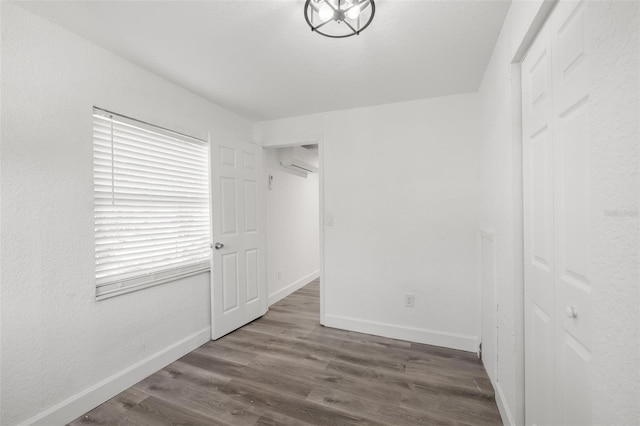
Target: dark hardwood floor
x=286 y=369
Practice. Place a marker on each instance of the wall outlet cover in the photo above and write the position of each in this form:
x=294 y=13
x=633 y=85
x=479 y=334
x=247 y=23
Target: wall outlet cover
x=409 y=300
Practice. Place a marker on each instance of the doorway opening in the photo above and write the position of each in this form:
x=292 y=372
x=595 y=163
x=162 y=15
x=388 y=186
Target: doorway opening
x=293 y=216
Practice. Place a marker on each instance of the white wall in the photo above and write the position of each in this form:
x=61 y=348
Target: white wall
x=56 y=339
x=293 y=233
x=613 y=40
x=612 y=31
x=401 y=182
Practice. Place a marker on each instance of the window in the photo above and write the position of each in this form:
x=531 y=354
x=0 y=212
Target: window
x=151 y=190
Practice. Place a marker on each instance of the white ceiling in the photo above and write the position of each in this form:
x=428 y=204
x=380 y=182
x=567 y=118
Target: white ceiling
x=261 y=60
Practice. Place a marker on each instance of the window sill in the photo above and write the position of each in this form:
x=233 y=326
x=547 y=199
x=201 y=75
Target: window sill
x=118 y=289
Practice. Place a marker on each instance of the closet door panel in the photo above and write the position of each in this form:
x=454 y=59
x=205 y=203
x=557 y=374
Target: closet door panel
x=572 y=212
x=538 y=231
x=557 y=220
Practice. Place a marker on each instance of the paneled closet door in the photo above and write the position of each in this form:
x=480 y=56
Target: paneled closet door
x=571 y=213
x=556 y=221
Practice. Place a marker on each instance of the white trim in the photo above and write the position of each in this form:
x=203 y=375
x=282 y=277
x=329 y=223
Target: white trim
x=107 y=291
x=503 y=407
x=86 y=400
x=321 y=225
x=296 y=285
x=411 y=334
x=294 y=141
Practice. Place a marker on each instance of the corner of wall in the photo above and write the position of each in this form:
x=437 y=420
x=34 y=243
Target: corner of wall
x=411 y=334
x=292 y=287
x=82 y=402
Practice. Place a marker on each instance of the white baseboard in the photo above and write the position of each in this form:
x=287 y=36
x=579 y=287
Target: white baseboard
x=296 y=285
x=411 y=334
x=503 y=407
x=84 y=401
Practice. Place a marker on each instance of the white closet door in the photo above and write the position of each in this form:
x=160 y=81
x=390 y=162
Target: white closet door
x=539 y=265
x=556 y=154
x=571 y=213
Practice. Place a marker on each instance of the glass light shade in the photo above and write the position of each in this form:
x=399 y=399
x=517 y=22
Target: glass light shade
x=354 y=12
x=325 y=12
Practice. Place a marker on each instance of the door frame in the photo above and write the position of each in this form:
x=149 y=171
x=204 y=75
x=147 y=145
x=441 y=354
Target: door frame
x=519 y=46
x=298 y=141
x=523 y=43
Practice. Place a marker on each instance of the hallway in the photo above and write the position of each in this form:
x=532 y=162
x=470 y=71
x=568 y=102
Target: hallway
x=285 y=368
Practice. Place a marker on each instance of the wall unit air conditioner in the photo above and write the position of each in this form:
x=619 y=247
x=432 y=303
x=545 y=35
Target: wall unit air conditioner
x=298 y=160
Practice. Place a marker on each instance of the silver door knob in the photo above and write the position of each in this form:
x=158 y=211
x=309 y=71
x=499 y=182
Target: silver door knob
x=218 y=246
x=571 y=312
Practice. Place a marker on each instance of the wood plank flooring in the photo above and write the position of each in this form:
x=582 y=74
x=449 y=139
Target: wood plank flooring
x=286 y=369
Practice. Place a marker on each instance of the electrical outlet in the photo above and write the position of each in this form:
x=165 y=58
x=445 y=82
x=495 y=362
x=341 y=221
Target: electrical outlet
x=279 y=275
x=409 y=300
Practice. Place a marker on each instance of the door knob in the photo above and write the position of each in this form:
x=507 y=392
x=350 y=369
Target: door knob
x=571 y=312
x=218 y=246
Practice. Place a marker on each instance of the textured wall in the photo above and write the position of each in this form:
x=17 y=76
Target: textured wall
x=401 y=183
x=613 y=40
x=56 y=339
x=612 y=31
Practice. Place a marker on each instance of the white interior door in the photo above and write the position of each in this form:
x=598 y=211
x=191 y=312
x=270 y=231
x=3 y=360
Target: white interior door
x=239 y=292
x=558 y=323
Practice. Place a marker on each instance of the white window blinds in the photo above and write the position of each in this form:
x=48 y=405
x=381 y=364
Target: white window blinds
x=151 y=204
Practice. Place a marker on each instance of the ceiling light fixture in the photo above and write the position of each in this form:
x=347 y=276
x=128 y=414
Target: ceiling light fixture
x=339 y=18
